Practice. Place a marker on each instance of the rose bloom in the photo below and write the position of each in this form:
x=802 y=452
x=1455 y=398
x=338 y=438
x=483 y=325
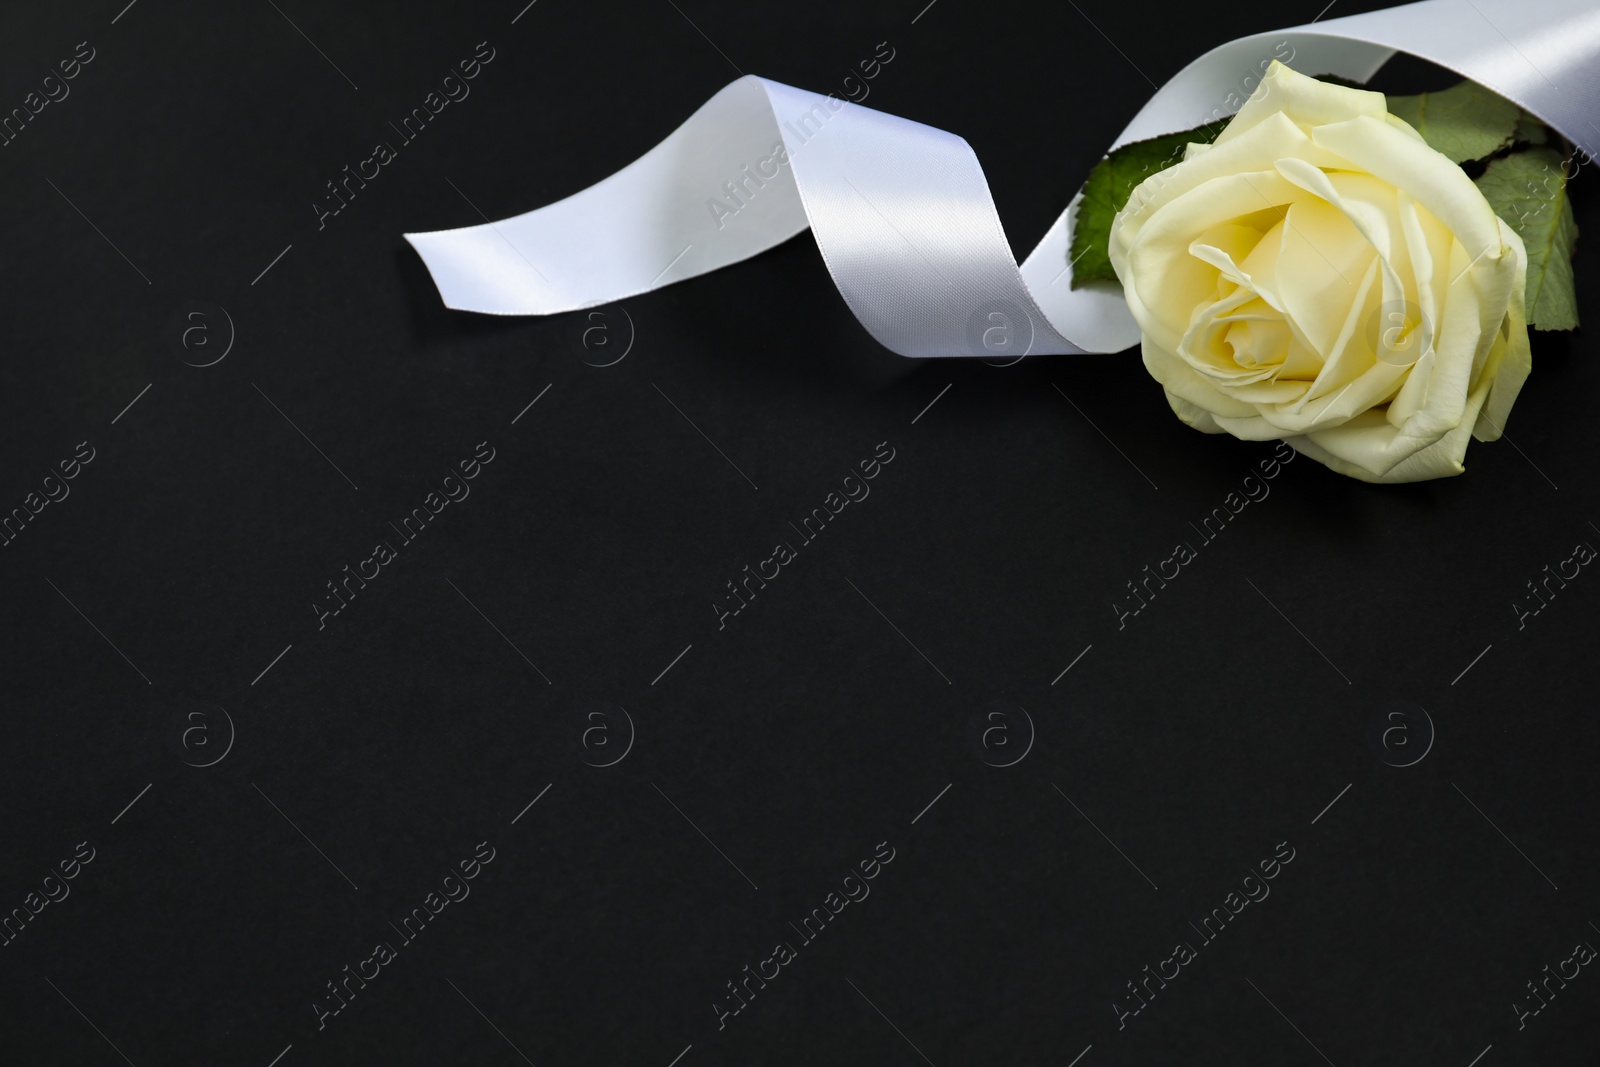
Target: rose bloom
x=1319 y=275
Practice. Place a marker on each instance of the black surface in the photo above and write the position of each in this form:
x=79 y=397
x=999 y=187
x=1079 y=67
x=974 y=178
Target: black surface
x=1218 y=723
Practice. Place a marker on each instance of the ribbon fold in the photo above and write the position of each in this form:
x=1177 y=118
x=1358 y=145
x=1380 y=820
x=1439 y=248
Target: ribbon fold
x=902 y=213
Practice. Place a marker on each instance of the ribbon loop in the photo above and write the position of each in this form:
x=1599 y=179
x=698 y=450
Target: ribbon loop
x=901 y=211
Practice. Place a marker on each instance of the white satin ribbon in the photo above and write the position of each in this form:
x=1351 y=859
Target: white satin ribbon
x=901 y=211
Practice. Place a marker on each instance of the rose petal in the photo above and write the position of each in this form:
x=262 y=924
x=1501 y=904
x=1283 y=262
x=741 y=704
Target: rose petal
x=1307 y=101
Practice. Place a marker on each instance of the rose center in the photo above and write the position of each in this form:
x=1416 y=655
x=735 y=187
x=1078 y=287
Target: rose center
x=1257 y=343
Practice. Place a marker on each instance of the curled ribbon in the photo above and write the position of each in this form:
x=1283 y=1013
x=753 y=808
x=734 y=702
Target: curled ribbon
x=901 y=211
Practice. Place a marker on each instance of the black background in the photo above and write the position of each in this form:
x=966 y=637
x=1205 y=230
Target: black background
x=1219 y=722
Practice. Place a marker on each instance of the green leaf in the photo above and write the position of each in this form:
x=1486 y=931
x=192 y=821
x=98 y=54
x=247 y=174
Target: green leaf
x=1529 y=191
x=1531 y=131
x=1110 y=184
x=1465 y=121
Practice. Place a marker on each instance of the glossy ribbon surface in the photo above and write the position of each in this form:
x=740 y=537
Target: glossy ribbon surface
x=902 y=213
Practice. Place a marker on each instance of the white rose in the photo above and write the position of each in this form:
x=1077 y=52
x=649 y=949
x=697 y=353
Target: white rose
x=1320 y=275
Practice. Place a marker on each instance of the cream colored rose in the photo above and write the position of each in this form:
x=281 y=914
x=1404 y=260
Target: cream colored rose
x=1320 y=275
